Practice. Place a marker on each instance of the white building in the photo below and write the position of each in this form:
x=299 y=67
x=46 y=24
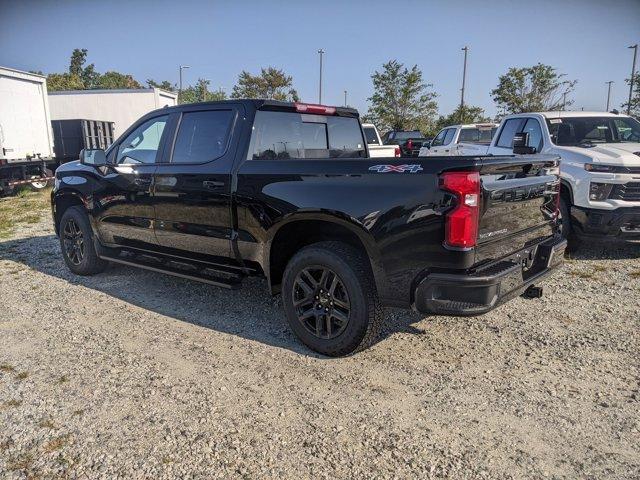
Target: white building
x=123 y=107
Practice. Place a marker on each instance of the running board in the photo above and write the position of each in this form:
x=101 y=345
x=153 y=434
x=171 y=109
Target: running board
x=192 y=270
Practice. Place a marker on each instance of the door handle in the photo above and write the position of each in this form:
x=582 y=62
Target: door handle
x=142 y=182
x=212 y=184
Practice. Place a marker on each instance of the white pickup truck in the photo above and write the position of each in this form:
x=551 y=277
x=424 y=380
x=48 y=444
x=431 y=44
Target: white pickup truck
x=600 y=167
x=374 y=142
x=470 y=139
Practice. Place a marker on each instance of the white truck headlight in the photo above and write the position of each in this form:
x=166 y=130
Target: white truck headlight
x=599 y=191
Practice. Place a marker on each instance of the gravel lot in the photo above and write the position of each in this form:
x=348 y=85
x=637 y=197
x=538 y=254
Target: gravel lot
x=131 y=374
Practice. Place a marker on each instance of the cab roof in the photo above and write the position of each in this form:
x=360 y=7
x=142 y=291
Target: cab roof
x=569 y=113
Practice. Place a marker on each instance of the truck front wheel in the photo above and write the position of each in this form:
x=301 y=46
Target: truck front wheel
x=330 y=299
x=76 y=241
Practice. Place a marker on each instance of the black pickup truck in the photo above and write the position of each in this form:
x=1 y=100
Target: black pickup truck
x=218 y=191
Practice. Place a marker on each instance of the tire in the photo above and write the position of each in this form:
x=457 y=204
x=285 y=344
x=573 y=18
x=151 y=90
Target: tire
x=36 y=184
x=76 y=242
x=566 y=228
x=342 y=330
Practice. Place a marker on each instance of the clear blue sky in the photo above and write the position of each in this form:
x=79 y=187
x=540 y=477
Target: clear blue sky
x=585 y=39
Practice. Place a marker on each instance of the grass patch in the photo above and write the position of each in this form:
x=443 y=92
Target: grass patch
x=578 y=274
x=46 y=423
x=12 y=403
x=635 y=273
x=5 y=367
x=22 y=209
x=22 y=375
x=599 y=268
x=78 y=413
x=62 y=379
x=56 y=444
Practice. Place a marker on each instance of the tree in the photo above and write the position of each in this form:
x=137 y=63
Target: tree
x=271 y=83
x=115 y=80
x=635 y=97
x=401 y=100
x=200 y=93
x=532 y=89
x=462 y=115
x=88 y=74
x=63 y=81
x=164 y=85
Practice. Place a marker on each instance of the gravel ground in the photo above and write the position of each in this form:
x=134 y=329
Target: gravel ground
x=131 y=374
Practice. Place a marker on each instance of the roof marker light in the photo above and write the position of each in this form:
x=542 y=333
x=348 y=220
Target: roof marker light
x=315 y=108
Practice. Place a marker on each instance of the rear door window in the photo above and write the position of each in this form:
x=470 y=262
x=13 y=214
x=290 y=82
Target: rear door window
x=511 y=127
x=285 y=135
x=202 y=136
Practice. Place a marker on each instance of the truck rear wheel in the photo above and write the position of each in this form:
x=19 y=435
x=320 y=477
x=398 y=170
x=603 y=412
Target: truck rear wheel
x=330 y=299
x=76 y=241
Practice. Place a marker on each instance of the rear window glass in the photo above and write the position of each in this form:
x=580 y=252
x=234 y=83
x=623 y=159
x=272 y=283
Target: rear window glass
x=202 y=136
x=476 y=135
x=370 y=133
x=285 y=135
x=407 y=135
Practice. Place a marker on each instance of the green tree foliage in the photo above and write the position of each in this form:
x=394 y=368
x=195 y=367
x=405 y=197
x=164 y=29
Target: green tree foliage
x=115 y=80
x=87 y=74
x=271 y=83
x=80 y=77
x=635 y=97
x=164 y=85
x=462 y=115
x=532 y=89
x=63 y=81
x=200 y=93
x=401 y=99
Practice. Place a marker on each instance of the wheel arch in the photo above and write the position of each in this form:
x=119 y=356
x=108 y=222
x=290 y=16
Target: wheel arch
x=300 y=230
x=566 y=190
x=63 y=200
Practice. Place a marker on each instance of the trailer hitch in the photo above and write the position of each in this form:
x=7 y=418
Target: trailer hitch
x=532 y=292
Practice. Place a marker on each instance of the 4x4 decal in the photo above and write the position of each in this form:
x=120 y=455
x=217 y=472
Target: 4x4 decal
x=395 y=168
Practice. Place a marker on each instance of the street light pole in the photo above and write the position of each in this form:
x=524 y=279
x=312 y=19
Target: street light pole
x=321 y=52
x=608 y=93
x=633 y=73
x=180 y=86
x=464 y=77
x=564 y=101
x=345 y=98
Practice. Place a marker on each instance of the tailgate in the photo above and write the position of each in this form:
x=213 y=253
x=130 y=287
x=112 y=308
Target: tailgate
x=518 y=203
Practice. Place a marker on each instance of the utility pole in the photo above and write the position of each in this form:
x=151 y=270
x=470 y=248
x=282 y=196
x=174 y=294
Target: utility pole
x=633 y=74
x=182 y=67
x=345 y=98
x=564 y=101
x=608 y=93
x=465 y=49
x=321 y=52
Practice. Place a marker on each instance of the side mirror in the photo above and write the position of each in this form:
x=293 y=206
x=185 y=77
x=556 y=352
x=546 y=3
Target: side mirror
x=520 y=144
x=427 y=144
x=95 y=158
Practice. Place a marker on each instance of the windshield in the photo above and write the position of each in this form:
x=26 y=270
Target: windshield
x=370 y=133
x=585 y=131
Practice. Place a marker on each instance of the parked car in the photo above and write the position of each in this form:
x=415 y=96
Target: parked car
x=374 y=142
x=409 y=141
x=600 y=167
x=219 y=191
x=470 y=139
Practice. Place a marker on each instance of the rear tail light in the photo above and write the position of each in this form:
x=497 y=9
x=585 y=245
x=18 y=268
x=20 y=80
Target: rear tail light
x=315 y=108
x=396 y=152
x=461 y=222
x=410 y=144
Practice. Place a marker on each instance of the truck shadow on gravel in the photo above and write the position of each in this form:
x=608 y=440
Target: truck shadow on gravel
x=249 y=312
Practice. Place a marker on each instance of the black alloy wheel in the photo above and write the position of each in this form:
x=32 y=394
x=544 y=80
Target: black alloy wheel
x=321 y=302
x=74 y=242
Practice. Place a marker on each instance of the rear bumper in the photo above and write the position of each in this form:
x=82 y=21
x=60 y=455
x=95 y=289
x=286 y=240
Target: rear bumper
x=623 y=222
x=493 y=284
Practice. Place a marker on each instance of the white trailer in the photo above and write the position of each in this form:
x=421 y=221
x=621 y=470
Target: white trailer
x=122 y=107
x=26 y=140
